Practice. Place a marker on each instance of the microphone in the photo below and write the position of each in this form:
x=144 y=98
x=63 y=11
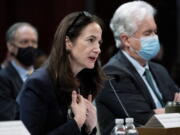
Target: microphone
x=117 y=78
x=119 y=100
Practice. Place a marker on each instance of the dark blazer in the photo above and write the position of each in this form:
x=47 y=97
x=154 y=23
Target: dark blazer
x=40 y=110
x=10 y=85
x=132 y=92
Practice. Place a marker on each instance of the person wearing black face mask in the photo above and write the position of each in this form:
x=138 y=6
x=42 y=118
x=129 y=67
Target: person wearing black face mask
x=26 y=56
x=22 y=40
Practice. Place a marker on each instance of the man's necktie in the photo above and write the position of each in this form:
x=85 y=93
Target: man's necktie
x=28 y=73
x=148 y=76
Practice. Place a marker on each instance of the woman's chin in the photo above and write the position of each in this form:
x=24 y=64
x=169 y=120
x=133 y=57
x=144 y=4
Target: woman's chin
x=90 y=66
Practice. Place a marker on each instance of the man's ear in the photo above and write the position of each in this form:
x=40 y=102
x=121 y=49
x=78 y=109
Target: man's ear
x=68 y=43
x=11 y=48
x=125 y=40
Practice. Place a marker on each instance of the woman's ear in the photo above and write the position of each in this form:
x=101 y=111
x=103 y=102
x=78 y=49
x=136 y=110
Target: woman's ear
x=68 y=43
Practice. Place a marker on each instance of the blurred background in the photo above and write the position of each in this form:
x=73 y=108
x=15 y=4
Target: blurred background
x=45 y=15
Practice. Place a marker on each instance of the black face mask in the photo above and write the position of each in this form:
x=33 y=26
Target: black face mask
x=26 y=56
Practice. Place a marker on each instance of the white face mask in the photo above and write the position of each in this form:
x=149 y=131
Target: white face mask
x=150 y=47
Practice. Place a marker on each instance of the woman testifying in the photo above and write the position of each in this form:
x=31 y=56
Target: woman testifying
x=57 y=98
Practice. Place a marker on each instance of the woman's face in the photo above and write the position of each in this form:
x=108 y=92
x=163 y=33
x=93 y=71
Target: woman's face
x=85 y=50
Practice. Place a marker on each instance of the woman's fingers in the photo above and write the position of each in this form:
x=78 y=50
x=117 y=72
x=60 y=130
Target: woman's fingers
x=177 y=97
x=74 y=97
x=90 y=97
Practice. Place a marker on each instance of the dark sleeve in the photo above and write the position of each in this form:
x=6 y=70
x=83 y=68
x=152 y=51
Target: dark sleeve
x=66 y=129
x=165 y=83
x=8 y=105
x=94 y=131
x=33 y=113
x=83 y=131
x=109 y=108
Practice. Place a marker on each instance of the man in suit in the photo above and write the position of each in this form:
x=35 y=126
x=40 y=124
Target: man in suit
x=136 y=87
x=22 y=41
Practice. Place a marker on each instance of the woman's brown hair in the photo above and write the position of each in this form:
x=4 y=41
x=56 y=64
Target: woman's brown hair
x=89 y=80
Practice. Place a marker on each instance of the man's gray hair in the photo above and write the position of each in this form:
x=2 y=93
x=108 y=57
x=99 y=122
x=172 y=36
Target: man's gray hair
x=11 y=32
x=126 y=17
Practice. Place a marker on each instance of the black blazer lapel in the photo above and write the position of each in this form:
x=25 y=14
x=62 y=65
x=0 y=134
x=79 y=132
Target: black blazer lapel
x=158 y=81
x=137 y=78
x=15 y=77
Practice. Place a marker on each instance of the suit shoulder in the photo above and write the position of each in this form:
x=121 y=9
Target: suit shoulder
x=39 y=81
x=157 y=66
x=8 y=72
x=116 y=65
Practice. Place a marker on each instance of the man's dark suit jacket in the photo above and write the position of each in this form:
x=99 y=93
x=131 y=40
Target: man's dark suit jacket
x=10 y=85
x=40 y=110
x=132 y=91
